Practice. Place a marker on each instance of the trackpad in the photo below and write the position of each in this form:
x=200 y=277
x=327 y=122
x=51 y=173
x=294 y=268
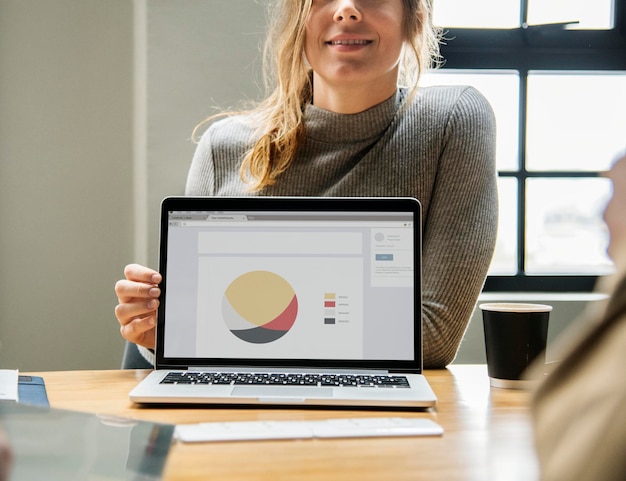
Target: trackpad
x=283 y=391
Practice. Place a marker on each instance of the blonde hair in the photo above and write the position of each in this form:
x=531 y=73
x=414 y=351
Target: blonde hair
x=288 y=79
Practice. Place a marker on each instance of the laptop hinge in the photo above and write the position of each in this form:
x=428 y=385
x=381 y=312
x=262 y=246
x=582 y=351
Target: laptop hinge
x=285 y=369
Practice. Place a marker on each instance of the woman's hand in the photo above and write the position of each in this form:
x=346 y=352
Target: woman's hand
x=138 y=297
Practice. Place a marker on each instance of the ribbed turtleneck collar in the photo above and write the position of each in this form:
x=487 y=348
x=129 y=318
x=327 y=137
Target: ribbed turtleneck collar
x=323 y=125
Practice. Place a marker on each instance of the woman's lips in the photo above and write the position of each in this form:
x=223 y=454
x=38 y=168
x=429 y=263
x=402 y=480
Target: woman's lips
x=349 y=42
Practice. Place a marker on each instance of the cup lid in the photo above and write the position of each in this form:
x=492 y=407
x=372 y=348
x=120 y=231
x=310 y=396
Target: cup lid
x=515 y=307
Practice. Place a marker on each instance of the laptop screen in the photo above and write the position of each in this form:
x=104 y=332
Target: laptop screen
x=284 y=281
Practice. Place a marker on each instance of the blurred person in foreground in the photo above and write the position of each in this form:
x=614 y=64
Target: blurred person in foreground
x=6 y=456
x=579 y=410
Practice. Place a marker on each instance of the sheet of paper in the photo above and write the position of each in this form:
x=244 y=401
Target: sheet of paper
x=8 y=384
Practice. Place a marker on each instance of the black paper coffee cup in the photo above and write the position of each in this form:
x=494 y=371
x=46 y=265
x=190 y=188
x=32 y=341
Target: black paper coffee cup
x=515 y=336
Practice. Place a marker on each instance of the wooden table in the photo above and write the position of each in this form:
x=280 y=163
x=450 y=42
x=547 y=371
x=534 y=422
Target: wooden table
x=487 y=434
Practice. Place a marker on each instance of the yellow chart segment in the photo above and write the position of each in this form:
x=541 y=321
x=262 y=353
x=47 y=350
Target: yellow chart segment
x=259 y=296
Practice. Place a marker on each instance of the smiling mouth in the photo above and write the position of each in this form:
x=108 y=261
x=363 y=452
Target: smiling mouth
x=349 y=42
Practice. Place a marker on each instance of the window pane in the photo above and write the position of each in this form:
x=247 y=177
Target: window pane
x=565 y=233
x=597 y=14
x=505 y=257
x=464 y=14
x=575 y=121
x=502 y=90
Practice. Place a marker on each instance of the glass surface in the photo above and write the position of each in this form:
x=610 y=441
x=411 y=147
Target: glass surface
x=597 y=14
x=565 y=232
x=505 y=256
x=501 y=88
x=576 y=121
x=502 y=14
x=54 y=444
x=464 y=14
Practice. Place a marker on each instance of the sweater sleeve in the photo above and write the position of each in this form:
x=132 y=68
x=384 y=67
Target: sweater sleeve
x=146 y=353
x=201 y=175
x=460 y=228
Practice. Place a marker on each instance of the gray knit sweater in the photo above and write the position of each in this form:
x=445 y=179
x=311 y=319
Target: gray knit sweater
x=439 y=149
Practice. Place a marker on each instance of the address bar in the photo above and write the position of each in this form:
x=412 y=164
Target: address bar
x=291 y=223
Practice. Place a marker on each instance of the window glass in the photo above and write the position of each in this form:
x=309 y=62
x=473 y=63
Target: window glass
x=575 y=121
x=582 y=14
x=589 y=15
x=559 y=98
x=565 y=233
x=464 y=14
x=501 y=88
x=505 y=256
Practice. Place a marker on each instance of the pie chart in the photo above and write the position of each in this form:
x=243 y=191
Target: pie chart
x=259 y=307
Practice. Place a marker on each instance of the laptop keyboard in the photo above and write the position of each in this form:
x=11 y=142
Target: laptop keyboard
x=286 y=379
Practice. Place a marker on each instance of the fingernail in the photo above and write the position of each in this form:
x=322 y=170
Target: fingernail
x=152 y=304
x=154 y=292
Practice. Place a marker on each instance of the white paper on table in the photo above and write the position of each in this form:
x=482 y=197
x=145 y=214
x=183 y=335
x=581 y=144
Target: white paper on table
x=8 y=384
x=330 y=428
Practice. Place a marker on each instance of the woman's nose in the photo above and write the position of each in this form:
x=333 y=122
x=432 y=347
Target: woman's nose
x=347 y=10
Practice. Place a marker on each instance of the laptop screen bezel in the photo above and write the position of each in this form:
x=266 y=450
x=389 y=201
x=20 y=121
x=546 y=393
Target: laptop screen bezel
x=300 y=204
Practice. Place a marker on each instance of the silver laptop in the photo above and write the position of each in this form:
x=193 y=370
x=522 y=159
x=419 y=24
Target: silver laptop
x=289 y=301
